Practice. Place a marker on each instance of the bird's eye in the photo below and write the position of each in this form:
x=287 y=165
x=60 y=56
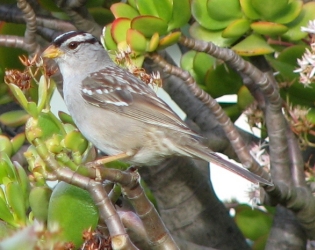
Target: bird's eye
x=73 y=45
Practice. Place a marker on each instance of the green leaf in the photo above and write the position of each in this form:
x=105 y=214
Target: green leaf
x=148 y=25
x=49 y=125
x=268 y=28
x=298 y=94
x=5 y=213
x=286 y=62
x=14 y=118
x=147 y=8
x=5 y=145
x=231 y=10
x=7 y=169
x=53 y=144
x=294 y=33
x=269 y=8
x=16 y=201
x=39 y=201
x=73 y=209
x=154 y=42
x=164 y=9
x=17 y=142
x=42 y=93
x=253 y=45
x=132 y=3
x=181 y=14
x=202 y=63
x=244 y=98
x=200 y=13
x=187 y=63
x=65 y=118
x=252 y=222
x=107 y=38
x=23 y=181
x=169 y=40
x=136 y=40
x=187 y=60
x=75 y=141
x=236 y=29
x=222 y=81
x=198 y=32
x=248 y=9
x=123 y=10
x=43 y=127
x=290 y=13
x=119 y=29
x=32 y=109
x=19 y=95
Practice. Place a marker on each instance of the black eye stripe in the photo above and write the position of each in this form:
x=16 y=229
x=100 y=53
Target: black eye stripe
x=91 y=41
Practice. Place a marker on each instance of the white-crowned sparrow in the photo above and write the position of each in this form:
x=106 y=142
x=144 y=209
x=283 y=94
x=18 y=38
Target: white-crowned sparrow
x=119 y=113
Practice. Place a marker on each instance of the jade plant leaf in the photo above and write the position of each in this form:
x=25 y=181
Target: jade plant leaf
x=123 y=10
x=199 y=32
x=108 y=40
x=289 y=13
x=249 y=10
x=181 y=14
x=200 y=13
x=294 y=33
x=222 y=10
x=14 y=118
x=119 y=29
x=222 y=80
x=236 y=29
x=269 y=28
x=268 y=9
x=136 y=40
x=148 y=25
x=65 y=202
x=169 y=40
x=252 y=222
x=253 y=45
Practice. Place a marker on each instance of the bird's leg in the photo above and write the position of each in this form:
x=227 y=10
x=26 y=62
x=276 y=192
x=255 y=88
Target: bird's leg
x=95 y=164
x=106 y=159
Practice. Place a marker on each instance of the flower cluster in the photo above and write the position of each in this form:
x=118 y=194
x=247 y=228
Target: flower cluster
x=124 y=58
x=34 y=68
x=307 y=62
x=20 y=78
x=254 y=115
x=300 y=124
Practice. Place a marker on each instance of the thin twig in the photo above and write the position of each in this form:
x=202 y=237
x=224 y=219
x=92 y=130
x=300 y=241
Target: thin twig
x=158 y=235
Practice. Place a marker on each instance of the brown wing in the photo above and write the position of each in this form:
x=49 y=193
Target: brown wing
x=109 y=89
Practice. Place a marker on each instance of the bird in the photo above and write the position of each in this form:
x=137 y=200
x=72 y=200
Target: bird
x=120 y=114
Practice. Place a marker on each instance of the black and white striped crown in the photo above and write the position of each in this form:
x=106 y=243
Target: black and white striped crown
x=75 y=36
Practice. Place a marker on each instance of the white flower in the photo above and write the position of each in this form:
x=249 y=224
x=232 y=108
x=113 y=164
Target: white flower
x=310 y=27
x=307 y=67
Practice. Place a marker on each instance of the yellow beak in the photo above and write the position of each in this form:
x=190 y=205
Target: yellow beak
x=52 y=52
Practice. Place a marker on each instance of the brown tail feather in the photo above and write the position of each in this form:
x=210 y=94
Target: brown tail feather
x=207 y=155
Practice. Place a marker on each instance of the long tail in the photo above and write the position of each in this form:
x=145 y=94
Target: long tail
x=207 y=155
